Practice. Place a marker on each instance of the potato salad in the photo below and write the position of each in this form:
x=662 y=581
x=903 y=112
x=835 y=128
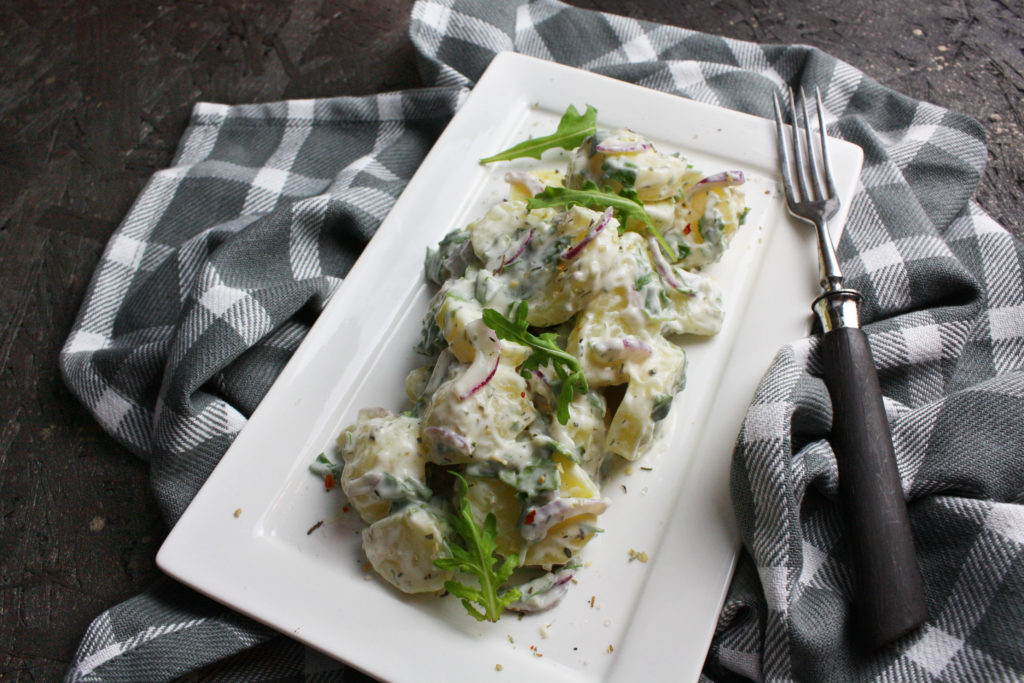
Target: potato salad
x=551 y=348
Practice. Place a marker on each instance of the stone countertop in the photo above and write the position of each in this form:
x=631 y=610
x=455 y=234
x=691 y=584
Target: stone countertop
x=94 y=98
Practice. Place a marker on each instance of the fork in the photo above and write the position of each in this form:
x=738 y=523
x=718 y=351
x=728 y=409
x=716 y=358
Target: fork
x=887 y=579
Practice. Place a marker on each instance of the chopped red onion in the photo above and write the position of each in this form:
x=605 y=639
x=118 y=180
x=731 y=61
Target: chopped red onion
x=636 y=345
x=450 y=438
x=663 y=267
x=543 y=592
x=622 y=146
x=539 y=386
x=485 y=361
x=514 y=251
x=574 y=251
x=529 y=182
x=538 y=520
x=627 y=348
x=724 y=179
x=437 y=375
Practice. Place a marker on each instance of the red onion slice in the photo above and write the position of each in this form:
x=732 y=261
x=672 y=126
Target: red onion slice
x=485 y=361
x=540 y=387
x=437 y=375
x=528 y=182
x=622 y=147
x=543 y=592
x=445 y=436
x=724 y=179
x=662 y=266
x=538 y=520
x=574 y=251
x=514 y=251
x=627 y=348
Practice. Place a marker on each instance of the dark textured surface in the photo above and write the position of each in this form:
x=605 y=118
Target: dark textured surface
x=93 y=98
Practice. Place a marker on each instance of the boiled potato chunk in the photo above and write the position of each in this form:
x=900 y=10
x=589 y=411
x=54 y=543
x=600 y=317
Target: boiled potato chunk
x=402 y=548
x=381 y=451
x=486 y=495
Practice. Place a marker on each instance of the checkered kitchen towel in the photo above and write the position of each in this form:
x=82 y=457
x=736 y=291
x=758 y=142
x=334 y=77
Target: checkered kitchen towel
x=217 y=271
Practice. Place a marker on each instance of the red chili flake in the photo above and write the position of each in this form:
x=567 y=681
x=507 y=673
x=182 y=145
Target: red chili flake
x=522 y=394
x=344 y=508
x=328 y=481
x=530 y=516
x=687 y=229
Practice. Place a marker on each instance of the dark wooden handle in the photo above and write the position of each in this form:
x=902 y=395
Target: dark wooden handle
x=890 y=596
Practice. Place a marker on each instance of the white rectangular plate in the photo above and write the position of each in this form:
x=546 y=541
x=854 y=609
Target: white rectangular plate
x=624 y=620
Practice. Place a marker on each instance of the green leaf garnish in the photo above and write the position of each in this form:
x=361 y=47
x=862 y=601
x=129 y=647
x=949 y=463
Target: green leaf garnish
x=572 y=130
x=626 y=205
x=545 y=349
x=478 y=555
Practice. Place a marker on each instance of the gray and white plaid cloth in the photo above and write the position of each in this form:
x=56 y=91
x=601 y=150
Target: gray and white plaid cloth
x=216 y=273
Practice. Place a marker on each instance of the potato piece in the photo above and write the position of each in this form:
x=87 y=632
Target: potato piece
x=483 y=425
x=383 y=462
x=486 y=495
x=562 y=542
x=402 y=548
x=622 y=160
x=652 y=385
x=492 y=234
x=570 y=283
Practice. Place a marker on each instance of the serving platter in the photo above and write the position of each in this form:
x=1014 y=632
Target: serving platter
x=264 y=537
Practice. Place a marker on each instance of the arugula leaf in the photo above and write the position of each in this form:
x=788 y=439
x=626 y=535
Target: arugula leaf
x=545 y=349
x=592 y=198
x=479 y=557
x=572 y=130
x=626 y=205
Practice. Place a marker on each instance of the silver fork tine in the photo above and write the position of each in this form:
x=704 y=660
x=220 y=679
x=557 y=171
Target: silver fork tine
x=801 y=155
x=814 y=166
x=824 y=146
x=785 y=161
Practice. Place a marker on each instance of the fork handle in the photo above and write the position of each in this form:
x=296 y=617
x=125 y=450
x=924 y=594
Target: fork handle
x=890 y=595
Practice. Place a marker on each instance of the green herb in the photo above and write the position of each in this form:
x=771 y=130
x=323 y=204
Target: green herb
x=576 y=455
x=432 y=340
x=712 y=229
x=545 y=350
x=572 y=130
x=662 y=406
x=535 y=482
x=323 y=466
x=592 y=198
x=477 y=555
x=625 y=204
x=451 y=257
x=623 y=172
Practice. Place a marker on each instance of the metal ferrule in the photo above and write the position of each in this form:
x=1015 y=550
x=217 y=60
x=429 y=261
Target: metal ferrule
x=838 y=308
